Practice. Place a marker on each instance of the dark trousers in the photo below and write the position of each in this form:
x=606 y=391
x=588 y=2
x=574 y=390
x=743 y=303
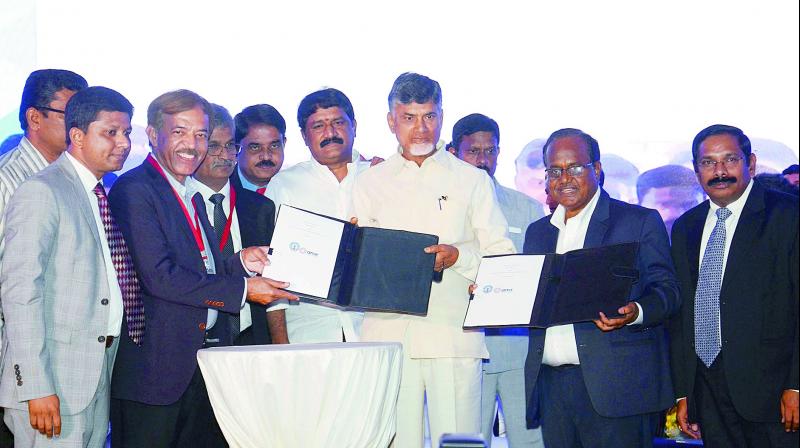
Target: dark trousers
x=721 y=425
x=187 y=423
x=569 y=419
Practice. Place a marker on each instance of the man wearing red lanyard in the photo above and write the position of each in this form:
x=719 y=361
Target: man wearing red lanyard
x=241 y=218
x=158 y=395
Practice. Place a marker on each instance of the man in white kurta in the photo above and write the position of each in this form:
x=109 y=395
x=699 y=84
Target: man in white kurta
x=424 y=188
x=323 y=184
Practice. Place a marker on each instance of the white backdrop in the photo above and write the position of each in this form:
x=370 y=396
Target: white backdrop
x=641 y=76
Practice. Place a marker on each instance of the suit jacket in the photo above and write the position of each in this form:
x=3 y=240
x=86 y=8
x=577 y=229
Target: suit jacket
x=626 y=371
x=758 y=304
x=55 y=293
x=176 y=290
x=256 y=215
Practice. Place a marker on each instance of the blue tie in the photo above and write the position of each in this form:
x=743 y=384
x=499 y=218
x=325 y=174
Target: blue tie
x=707 y=341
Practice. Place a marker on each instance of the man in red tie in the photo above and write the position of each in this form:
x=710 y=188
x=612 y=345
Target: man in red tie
x=68 y=283
x=261 y=132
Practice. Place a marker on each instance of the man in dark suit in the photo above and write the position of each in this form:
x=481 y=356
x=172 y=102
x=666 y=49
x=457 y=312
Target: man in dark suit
x=735 y=342
x=159 y=398
x=252 y=224
x=600 y=383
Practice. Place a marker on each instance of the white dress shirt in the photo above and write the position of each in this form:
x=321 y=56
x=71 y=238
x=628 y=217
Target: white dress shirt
x=559 y=343
x=736 y=208
x=312 y=186
x=454 y=200
x=245 y=320
x=115 y=307
x=186 y=192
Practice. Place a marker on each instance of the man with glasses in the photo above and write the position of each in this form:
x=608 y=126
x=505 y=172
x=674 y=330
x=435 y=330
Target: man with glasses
x=261 y=133
x=735 y=342
x=41 y=117
x=476 y=140
x=600 y=383
x=251 y=224
x=322 y=184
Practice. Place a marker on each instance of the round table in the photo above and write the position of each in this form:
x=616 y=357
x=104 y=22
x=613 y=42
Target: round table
x=304 y=395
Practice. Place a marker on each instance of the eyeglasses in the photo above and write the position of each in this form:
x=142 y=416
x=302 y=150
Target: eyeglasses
x=50 y=109
x=710 y=165
x=256 y=148
x=572 y=171
x=231 y=149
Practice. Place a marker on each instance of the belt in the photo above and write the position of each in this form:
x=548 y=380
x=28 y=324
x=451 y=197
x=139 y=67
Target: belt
x=109 y=341
x=562 y=367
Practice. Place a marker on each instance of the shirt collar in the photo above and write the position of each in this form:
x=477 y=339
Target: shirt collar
x=736 y=206
x=177 y=186
x=207 y=191
x=582 y=217
x=86 y=177
x=31 y=151
x=439 y=156
x=246 y=183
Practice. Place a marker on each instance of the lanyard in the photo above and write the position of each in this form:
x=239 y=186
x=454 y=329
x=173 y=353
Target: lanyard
x=195 y=226
x=227 y=232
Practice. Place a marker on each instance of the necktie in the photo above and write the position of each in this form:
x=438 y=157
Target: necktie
x=220 y=220
x=126 y=276
x=707 y=341
x=261 y=190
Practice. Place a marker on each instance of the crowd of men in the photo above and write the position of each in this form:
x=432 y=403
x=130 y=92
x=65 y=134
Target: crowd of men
x=108 y=295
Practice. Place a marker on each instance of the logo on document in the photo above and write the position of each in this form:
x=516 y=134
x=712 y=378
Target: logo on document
x=296 y=247
x=488 y=289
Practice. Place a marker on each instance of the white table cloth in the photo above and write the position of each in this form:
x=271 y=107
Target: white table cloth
x=304 y=395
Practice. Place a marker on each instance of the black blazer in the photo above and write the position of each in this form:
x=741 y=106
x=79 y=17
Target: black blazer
x=613 y=361
x=758 y=304
x=256 y=215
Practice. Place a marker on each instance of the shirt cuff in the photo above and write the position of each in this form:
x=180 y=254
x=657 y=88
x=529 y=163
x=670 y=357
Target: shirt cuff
x=249 y=272
x=640 y=317
x=278 y=305
x=244 y=294
x=679 y=400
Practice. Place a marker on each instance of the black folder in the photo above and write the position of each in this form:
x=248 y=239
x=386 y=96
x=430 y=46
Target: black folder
x=577 y=285
x=380 y=270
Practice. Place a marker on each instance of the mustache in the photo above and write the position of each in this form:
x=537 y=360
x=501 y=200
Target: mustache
x=223 y=164
x=265 y=164
x=721 y=180
x=330 y=140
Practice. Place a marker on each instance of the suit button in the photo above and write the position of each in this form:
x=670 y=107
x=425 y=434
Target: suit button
x=202 y=326
x=19 y=383
x=538 y=350
x=104 y=302
x=101 y=339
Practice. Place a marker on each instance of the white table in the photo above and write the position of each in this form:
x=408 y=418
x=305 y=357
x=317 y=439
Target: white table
x=304 y=395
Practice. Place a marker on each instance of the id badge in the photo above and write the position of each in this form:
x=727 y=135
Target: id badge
x=210 y=269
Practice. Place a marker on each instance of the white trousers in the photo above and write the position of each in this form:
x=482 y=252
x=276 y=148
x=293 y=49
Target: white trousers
x=453 y=389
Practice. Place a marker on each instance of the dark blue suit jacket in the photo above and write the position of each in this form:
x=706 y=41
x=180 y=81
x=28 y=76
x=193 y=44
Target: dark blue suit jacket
x=176 y=290
x=626 y=371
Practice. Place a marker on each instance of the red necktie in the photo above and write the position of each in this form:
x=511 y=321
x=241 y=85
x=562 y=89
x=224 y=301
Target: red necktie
x=126 y=276
x=261 y=190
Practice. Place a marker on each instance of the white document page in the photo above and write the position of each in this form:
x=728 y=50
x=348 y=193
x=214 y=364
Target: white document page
x=506 y=291
x=304 y=249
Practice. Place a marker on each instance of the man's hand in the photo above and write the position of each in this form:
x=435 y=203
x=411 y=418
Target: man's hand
x=789 y=412
x=446 y=256
x=255 y=258
x=682 y=415
x=264 y=290
x=45 y=415
x=629 y=314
